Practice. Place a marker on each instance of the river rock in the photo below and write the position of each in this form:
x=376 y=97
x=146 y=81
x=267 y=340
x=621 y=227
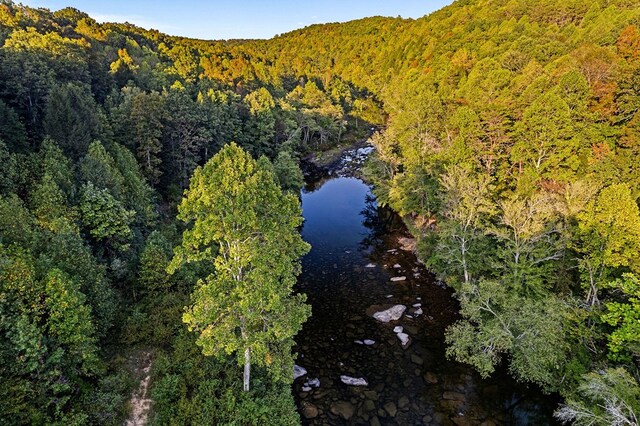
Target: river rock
x=370 y=265
x=411 y=329
x=391 y=408
x=407 y=244
x=416 y=359
x=310 y=411
x=306 y=389
x=371 y=394
x=397 y=279
x=404 y=338
x=374 y=421
x=403 y=402
x=392 y=314
x=398 y=329
x=314 y=383
x=430 y=378
x=358 y=342
x=298 y=371
x=417 y=305
x=353 y=381
x=454 y=396
x=397 y=266
x=343 y=409
x=418 y=312
x=369 y=342
x=369 y=405
x=461 y=420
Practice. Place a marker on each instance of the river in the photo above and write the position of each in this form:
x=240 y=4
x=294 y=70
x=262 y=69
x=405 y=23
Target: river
x=347 y=277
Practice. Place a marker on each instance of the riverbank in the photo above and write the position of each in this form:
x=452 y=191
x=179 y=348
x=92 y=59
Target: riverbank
x=356 y=269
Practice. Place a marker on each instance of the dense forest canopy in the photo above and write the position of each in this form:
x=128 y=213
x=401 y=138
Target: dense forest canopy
x=509 y=141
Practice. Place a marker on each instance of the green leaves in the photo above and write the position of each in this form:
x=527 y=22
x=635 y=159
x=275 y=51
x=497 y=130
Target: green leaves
x=105 y=218
x=235 y=207
x=499 y=322
x=624 y=340
x=609 y=397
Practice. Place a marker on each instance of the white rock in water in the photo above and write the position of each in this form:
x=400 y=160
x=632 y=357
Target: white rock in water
x=404 y=338
x=394 y=279
x=417 y=305
x=370 y=265
x=306 y=389
x=298 y=371
x=397 y=266
x=398 y=329
x=418 y=298
x=314 y=383
x=394 y=313
x=358 y=342
x=354 y=381
x=418 y=312
x=389 y=296
x=369 y=342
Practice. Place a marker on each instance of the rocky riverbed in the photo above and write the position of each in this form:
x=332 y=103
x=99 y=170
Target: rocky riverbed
x=373 y=351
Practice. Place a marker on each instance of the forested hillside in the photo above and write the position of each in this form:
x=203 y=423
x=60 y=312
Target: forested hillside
x=510 y=146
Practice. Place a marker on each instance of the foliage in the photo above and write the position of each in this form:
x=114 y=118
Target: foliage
x=610 y=397
x=246 y=307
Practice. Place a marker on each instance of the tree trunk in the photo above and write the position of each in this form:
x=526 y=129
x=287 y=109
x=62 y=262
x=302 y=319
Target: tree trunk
x=247 y=369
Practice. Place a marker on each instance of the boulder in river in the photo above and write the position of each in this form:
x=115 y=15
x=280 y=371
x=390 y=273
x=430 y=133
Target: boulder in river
x=310 y=411
x=353 y=381
x=343 y=409
x=298 y=371
x=314 y=383
x=394 y=313
x=404 y=338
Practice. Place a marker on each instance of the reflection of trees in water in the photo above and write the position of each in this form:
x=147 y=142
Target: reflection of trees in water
x=376 y=219
x=382 y=221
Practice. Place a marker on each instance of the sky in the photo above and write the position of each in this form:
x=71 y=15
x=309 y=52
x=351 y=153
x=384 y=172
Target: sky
x=227 y=19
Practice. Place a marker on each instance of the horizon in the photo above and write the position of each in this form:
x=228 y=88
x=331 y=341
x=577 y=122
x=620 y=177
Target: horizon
x=226 y=20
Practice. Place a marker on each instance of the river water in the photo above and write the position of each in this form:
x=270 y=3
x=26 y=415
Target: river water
x=347 y=277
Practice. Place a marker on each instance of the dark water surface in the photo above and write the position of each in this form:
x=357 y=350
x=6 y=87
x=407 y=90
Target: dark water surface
x=406 y=386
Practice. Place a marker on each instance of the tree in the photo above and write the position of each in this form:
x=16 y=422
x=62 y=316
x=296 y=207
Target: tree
x=498 y=322
x=608 y=236
x=287 y=172
x=105 y=218
x=71 y=119
x=246 y=307
x=466 y=205
x=610 y=397
x=528 y=232
x=625 y=339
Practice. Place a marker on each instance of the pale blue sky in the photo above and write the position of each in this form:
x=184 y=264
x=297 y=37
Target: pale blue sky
x=224 y=19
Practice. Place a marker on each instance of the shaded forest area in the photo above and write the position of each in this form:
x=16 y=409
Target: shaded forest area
x=512 y=131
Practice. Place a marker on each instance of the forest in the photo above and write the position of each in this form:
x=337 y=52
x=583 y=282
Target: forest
x=508 y=141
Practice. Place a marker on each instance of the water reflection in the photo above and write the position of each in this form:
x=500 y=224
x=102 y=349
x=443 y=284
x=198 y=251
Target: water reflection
x=347 y=276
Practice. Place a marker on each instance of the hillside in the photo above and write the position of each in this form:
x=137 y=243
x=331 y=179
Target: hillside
x=510 y=146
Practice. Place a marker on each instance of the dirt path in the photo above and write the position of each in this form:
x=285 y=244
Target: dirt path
x=140 y=402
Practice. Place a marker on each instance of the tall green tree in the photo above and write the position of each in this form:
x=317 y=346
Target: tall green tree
x=608 y=237
x=243 y=223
